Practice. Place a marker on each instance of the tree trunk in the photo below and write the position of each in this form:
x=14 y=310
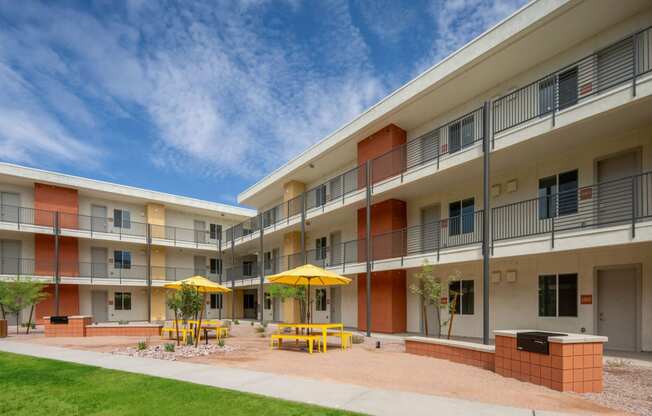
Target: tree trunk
x=425 y=318
x=29 y=322
x=450 y=322
x=17 y=322
x=176 y=323
x=438 y=316
x=201 y=315
x=2 y=309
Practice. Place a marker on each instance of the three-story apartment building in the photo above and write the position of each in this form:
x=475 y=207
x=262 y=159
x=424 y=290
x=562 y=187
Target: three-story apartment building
x=521 y=164
x=105 y=249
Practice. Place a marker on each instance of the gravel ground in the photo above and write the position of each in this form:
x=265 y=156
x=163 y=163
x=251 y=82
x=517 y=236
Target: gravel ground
x=627 y=387
x=159 y=352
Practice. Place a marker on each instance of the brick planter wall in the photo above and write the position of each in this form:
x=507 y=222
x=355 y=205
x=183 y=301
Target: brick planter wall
x=477 y=355
x=569 y=367
x=76 y=327
x=123 y=330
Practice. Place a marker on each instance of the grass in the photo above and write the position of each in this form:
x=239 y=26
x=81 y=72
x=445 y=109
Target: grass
x=35 y=386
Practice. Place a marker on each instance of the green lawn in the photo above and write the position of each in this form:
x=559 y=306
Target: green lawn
x=34 y=386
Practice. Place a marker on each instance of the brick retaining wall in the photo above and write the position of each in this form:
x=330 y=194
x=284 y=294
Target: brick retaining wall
x=123 y=330
x=76 y=327
x=468 y=353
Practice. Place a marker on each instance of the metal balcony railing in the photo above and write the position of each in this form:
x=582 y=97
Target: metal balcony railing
x=617 y=64
x=25 y=215
x=621 y=201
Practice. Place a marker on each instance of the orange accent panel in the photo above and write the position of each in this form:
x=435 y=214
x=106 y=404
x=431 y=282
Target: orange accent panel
x=68 y=302
x=388 y=301
x=44 y=255
x=379 y=144
x=48 y=198
x=386 y=216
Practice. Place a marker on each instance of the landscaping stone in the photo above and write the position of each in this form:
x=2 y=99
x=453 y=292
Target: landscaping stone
x=181 y=351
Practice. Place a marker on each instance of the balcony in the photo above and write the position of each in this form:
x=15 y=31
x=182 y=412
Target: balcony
x=96 y=273
x=84 y=226
x=611 y=212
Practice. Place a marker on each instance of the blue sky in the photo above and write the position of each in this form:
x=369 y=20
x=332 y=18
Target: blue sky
x=204 y=98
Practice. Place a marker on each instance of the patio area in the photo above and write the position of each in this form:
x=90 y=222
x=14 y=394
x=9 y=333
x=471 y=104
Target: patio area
x=387 y=368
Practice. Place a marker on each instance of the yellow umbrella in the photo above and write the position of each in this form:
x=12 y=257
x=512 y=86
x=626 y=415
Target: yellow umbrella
x=306 y=275
x=201 y=285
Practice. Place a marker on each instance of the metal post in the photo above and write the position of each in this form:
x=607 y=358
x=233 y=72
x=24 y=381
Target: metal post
x=368 y=257
x=232 y=276
x=485 y=229
x=261 y=257
x=635 y=64
x=633 y=207
x=221 y=267
x=149 y=272
x=56 y=263
x=303 y=228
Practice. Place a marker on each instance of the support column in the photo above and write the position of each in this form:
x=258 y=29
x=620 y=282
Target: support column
x=232 y=277
x=485 y=225
x=57 y=269
x=261 y=270
x=149 y=272
x=368 y=241
x=303 y=228
x=221 y=266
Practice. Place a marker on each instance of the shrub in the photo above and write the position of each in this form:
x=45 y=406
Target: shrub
x=252 y=323
x=168 y=347
x=220 y=342
x=121 y=322
x=236 y=322
x=142 y=345
x=357 y=339
x=260 y=329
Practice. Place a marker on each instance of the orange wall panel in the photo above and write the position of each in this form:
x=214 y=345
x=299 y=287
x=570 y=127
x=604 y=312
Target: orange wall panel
x=386 y=216
x=68 y=302
x=377 y=147
x=50 y=198
x=44 y=255
x=388 y=301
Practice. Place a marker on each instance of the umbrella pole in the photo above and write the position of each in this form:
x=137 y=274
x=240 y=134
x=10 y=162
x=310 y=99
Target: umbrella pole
x=201 y=315
x=308 y=309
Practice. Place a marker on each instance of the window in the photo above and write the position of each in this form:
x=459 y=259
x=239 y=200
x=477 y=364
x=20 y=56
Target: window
x=567 y=88
x=215 y=232
x=320 y=300
x=558 y=195
x=460 y=134
x=462 y=216
x=558 y=295
x=216 y=301
x=247 y=268
x=463 y=289
x=320 y=248
x=122 y=259
x=215 y=266
x=269 y=217
x=122 y=301
x=121 y=218
x=268 y=301
x=320 y=195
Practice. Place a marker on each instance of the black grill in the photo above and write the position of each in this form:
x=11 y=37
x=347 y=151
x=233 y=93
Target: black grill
x=59 y=320
x=535 y=341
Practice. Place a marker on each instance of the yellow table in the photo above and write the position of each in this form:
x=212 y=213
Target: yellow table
x=322 y=327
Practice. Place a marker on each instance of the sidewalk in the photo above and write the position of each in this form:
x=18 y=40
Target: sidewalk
x=328 y=394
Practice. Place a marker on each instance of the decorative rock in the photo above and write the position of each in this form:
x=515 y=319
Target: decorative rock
x=182 y=351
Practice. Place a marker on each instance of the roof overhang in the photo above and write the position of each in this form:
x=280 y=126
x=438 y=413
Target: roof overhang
x=539 y=30
x=25 y=175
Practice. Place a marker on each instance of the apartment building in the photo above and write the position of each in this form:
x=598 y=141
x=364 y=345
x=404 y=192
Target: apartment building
x=106 y=249
x=521 y=163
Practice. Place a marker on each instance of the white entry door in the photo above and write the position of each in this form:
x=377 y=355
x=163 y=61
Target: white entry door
x=319 y=300
x=617 y=307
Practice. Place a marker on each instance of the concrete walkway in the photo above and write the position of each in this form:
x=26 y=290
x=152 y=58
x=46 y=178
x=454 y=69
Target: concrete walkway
x=323 y=393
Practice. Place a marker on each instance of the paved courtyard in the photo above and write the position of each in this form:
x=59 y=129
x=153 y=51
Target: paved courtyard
x=387 y=368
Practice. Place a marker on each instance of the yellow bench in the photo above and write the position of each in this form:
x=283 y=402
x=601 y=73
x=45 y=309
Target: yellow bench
x=310 y=339
x=346 y=338
x=172 y=331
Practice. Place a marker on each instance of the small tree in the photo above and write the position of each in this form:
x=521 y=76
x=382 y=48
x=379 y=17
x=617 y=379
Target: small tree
x=3 y=290
x=284 y=292
x=21 y=294
x=431 y=289
x=174 y=303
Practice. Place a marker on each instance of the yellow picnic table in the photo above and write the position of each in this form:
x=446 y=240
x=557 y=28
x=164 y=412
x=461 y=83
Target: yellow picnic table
x=210 y=325
x=321 y=327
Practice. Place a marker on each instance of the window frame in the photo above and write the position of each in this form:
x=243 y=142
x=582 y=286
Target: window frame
x=267 y=301
x=216 y=301
x=558 y=202
x=321 y=249
x=460 y=306
x=120 y=220
x=457 y=225
x=214 y=265
x=119 y=261
x=119 y=299
x=557 y=295
x=321 y=300
x=215 y=231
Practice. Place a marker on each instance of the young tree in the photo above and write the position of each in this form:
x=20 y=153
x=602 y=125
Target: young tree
x=3 y=290
x=284 y=292
x=174 y=303
x=430 y=289
x=20 y=294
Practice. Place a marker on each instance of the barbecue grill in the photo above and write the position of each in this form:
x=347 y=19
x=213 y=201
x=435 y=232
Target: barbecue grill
x=535 y=341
